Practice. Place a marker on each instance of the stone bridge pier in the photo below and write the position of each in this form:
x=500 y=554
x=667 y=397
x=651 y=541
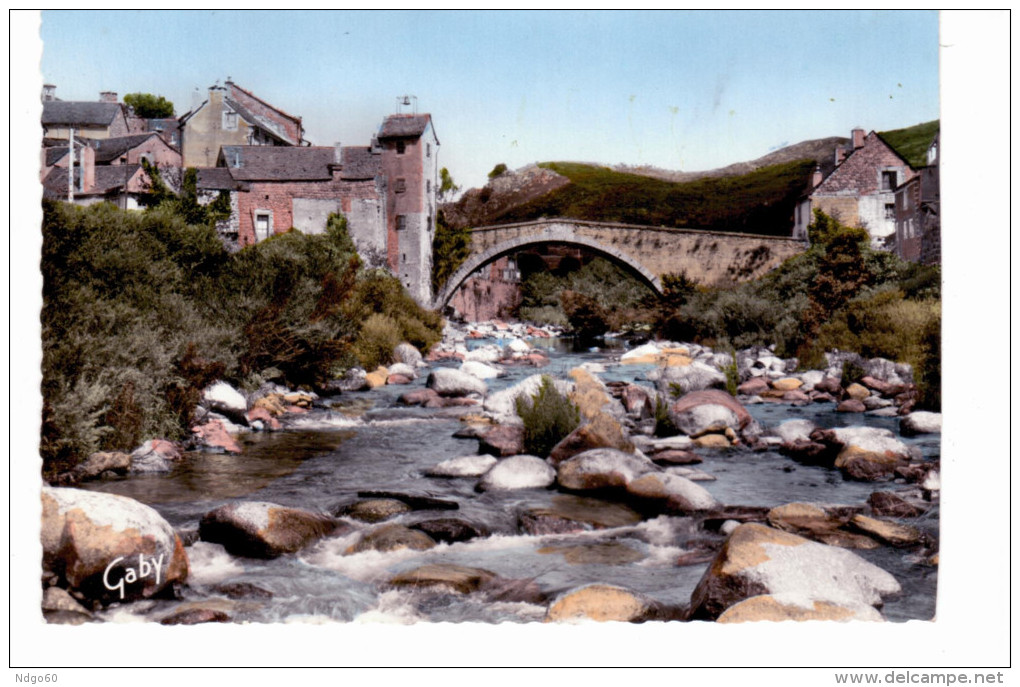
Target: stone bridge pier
x=711 y=258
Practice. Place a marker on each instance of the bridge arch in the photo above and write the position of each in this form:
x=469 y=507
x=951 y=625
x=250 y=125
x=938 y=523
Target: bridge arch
x=478 y=260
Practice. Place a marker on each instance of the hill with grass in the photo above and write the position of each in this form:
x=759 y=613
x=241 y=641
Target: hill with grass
x=756 y=197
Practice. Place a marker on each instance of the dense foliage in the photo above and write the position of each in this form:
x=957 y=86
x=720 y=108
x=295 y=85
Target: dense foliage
x=149 y=106
x=450 y=248
x=760 y=202
x=548 y=417
x=912 y=142
x=141 y=310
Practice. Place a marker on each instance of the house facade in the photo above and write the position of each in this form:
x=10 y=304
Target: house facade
x=386 y=191
x=94 y=120
x=232 y=116
x=861 y=190
x=918 y=226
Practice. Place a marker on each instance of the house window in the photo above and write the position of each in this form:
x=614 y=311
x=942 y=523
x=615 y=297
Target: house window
x=428 y=150
x=230 y=120
x=263 y=224
x=401 y=146
x=401 y=222
x=888 y=181
x=428 y=186
x=890 y=212
x=399 y=185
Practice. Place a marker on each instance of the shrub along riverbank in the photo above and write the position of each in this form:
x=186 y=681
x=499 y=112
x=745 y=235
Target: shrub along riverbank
x=142 y=310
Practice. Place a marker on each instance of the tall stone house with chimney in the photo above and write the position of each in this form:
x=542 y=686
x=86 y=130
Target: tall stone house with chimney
x=386 y=191
x=233 y=116
x=861 y=190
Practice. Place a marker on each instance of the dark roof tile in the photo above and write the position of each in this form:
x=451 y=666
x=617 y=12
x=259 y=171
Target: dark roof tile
x=110 y=149
x=57 y=112
x=404 y=125
x=277 y=163
x=359 y=162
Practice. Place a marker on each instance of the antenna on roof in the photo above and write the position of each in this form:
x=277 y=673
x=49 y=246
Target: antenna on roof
x=407 y=101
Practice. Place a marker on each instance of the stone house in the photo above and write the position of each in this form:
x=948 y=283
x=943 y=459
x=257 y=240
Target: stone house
x=386 y=191
x=133 y=149
x=124 y=185
x=94 y=120
x=861 y=189
x=918 y=228
x=232 y=116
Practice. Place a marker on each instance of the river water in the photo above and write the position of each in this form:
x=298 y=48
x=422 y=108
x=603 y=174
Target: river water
x=369 y=443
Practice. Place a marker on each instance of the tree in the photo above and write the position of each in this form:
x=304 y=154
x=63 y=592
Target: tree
x=447 y=188
x=450 y=248
x=497 y=170
x=149 y=106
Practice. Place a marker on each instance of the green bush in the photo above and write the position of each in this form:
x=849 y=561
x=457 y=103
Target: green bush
x=548 y=417
x=379 y=335
x=497 y=170
x=587 y=317
x=929 y=366
x=664 y=426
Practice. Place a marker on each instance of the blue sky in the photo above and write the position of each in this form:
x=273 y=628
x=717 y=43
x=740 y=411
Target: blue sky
x=674 y=89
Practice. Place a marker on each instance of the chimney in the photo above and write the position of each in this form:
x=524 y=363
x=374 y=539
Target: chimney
x=338 y=154
x=858 y=138
x=108 y=97
x=196 y=99
x=88 y=168
x=840 y=155
x=49 y=92
x=816 y=178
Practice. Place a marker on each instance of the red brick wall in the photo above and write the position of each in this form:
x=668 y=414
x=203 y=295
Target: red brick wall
x=406 y=166
x=278 y=197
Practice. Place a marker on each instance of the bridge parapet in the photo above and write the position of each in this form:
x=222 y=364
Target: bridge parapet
x=712 y=258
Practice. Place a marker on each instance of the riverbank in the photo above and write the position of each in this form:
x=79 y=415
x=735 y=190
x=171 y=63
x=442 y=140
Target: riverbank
x=417 y=512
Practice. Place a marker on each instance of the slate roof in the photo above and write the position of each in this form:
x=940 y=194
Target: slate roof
x=359 y=162
x=55 y=155
x=265 y=123
x=219 y=179
x=57 y=112
x=108 y=179
x=404 y=126
x=111 y=148
x=277 y=163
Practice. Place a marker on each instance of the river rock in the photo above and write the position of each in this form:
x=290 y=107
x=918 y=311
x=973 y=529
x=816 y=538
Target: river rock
x=398 y=379
x=392 y=538
x=644 y=354
x=260 y=418
x=458 y=578
x=155 y=455
x=787 y=384
x=876 y=403
x=502 y=440
x=465 y=466
x=713 y=440
x=602 y=468
x=375 y=510
x=242 y=590
x=450 y=530
x=602 y=431
x=484 y=354
x=687 y=378
x=416 y=500
x=352 y=380
x=829 y=385
x=98 y=463
x=195 y=616
x=803 y=518
x=758 y=560
x=888 y=532
x=892 y=505
x=753 y=387
x=637 y=401
x=448 y=382
x=264 y=530
x=84 y=532
x=501 y=403
x=598 y=553
x=920 y=422
x=518 y=472
x=569 y=514
x=768 y=608
x=376 y=379
x=694 y=413
x=858 y=392
x=222 y=398
x=794 y=430
x=480 y=370
x=60 y=608
x=600 y=602
x=408 y=355
x=418 y=397
x=213 y=435
x=676 y=456
x=851 y=405
x=671 y=493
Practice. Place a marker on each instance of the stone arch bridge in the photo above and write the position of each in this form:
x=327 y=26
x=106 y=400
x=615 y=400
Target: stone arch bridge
x=712 y=258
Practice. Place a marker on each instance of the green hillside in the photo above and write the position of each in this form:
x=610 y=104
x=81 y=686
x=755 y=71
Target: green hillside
x=760 y=202
x=912 y=142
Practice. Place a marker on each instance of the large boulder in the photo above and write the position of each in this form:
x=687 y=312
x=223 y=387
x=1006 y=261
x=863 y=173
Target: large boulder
x=920 y=422
x=109 y=548
x=865 y=453
x=600 y=602
x=392 y=538
x=671 y=493
x=795 y=430
x=687 y=378
x=407 y=354
x=502 y=403
x=602 y=468
x=758 y=560
x=502 y=440
x=602 y=431
x=769 y=608
x=518 y=472
x=222 y=398
x=264 y=530
x=480 y=370
x=155 y=455
x=568 y=513
x=464 y=466
x=448 y=382
x=213 y=436
x=708 y=410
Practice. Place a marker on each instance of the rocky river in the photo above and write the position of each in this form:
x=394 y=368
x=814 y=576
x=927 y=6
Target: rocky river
x=404 y=495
